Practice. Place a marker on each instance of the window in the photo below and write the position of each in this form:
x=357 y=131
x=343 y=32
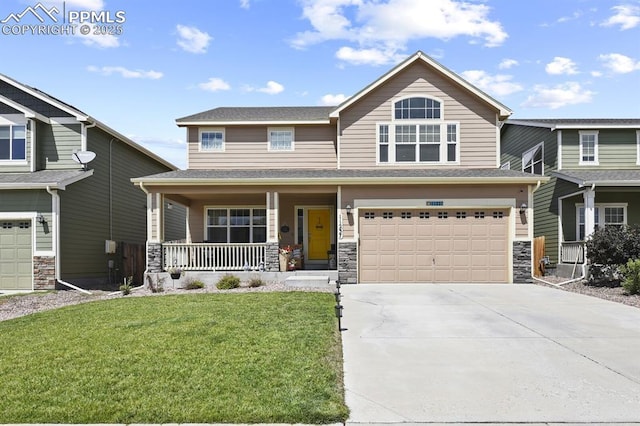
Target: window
x=212 y=140
x=479 y=215
x=13 y=146
x=280 y=139
x=443 y=215
x=588 y=148
x=237 y=225
x=533 y=160
x=417 y=134
x=369 y=215
x=506 y=166
x=604 y=215
x=405 y=215
x=387 y=215
x=461 y=215
x=424 y=215
x=498 y=215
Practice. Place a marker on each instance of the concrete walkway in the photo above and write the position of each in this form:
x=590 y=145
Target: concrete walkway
x=491 y=354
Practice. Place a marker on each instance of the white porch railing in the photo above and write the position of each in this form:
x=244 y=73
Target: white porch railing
x=213 y=257
x=572 y=250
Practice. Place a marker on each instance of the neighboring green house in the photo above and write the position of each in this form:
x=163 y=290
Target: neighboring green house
x=594 y=166
x=62 y=221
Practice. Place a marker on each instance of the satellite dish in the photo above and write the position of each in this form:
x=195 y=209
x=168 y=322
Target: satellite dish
x=83 y=157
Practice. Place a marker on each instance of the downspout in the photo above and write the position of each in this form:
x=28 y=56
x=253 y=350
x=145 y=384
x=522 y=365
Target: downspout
x=56 y=198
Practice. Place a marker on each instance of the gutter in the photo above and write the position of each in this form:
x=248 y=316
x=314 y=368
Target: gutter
x=56 y=198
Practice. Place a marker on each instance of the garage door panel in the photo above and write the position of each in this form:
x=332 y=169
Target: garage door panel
x=442 y=246
x=16 y=258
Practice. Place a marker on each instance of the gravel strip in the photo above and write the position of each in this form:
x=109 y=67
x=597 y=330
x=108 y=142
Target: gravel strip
x=18 y=305
x=613 y=294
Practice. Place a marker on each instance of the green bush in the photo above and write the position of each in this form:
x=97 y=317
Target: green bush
x=125 y=288
x=613 y=245
x=631 y=272
x=228 y=282
x=193 y=284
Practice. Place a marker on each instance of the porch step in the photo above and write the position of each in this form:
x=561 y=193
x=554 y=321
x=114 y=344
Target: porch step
x=307 y=281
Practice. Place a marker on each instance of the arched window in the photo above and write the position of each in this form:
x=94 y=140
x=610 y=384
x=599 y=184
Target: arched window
x=417 y=108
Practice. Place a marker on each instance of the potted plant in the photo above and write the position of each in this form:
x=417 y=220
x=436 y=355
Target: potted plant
x=175 y=272
x=285 y=255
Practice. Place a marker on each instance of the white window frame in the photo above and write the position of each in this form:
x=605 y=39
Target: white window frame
x=531 y=153
x=600 y=217
x=211 y=130
x=11 y=160
x=228 y=226
x=581 y=161
x=505 y=166
x=270 y=148
x=638 y=147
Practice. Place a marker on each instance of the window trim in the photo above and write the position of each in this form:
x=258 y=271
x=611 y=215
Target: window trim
x=533 y=163
x=638 y=147
x=601 y=215
x=211 y=130
x=278 y=128
x=595 y=161
x=11 y=160
x=443 y=144
x=206 y=226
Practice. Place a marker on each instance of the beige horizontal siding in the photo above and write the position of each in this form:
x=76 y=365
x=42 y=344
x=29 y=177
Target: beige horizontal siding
x=477 y=120
x=246 y=147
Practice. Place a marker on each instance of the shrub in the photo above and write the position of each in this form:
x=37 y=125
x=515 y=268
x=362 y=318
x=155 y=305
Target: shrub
x=158 y=286
x=606 y=246
x=125 y=288
x=228 y=282
x=256 y=282
x=631 y=272
x=193 y=284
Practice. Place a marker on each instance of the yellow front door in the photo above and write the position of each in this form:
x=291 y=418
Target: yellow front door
x=319 y=225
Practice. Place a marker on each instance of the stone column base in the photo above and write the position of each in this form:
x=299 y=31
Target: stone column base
x=44 y=272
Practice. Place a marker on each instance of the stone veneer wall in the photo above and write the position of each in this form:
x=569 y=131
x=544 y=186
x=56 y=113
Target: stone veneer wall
x=348 y=263
x=154 y=257
x=522 y=262
x=44 y=272
x=271 y=261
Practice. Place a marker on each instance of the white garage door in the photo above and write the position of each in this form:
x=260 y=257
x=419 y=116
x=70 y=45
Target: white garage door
x=435 y=246
x=16 y=263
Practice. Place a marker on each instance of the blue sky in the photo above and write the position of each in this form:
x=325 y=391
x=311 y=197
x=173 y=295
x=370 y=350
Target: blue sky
x=542 y=58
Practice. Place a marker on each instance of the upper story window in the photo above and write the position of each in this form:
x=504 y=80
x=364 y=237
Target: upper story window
x=280 y=138
x=13 y=145
x=588 y=148
x=533 y=160
x=417 y=134
x=212 y=140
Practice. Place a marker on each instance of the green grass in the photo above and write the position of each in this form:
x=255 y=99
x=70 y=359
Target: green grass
x=232 y=358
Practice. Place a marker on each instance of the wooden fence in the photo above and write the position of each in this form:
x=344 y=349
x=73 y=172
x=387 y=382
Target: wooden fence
x=538 y=255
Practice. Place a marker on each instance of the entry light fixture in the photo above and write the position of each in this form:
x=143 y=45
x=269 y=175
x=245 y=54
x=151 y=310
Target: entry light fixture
x=348 y=209
x=523 y=208
x=41 y=219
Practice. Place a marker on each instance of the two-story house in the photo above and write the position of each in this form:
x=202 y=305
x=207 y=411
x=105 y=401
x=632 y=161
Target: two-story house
x=68 y=212
x=401 y=182
x=594 y=170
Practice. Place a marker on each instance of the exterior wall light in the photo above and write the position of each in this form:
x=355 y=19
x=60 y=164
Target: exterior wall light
x=523 y=208
x=348 y=209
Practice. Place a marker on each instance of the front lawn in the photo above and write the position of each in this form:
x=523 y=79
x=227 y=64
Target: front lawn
x=208 y=358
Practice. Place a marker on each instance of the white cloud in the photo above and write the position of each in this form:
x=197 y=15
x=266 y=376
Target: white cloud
x=192 y=39
x=569 y=93
x=561 y=65
x=101 y=41
x=272 y=88
x=330 y=99
x=77 y=4
x=215 y=85
x=245 y=4
x=367 y=56
x=126 y=73
x=626 y=16
x=508 y=63
x=498 y=85
x=386 y=26
x=596 y=74
x=619 y=64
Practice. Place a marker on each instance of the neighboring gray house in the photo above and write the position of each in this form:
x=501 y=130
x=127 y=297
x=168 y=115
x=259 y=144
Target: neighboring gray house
x=594 y=166
x=62 y=221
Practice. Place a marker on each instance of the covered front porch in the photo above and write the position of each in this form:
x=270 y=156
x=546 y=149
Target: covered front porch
x=242 y=228
x=601 y=198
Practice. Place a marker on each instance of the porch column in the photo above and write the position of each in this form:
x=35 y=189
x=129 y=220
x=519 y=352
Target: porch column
x=589 y=212
x=271 y=261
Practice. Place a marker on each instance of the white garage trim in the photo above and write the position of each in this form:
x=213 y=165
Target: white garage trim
x=421 y=203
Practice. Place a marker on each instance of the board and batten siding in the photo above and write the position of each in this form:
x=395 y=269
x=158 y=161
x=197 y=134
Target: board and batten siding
x=617 y=149
x=36 y=201
x=105 y=206
x=246 y=147
x=477 y=120
x=56 y=144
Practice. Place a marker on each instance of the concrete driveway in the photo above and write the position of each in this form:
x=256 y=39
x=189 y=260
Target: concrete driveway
x=467 y=353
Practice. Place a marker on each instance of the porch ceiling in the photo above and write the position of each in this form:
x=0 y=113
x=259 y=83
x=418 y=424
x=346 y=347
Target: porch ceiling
x=628 y=178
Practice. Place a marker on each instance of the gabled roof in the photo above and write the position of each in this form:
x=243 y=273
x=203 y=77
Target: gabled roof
x=579 y=123
x=420 y=56
x=43 y=179
x=76 y=113
x=259 y=115
x=585 y=178
x=339 y=176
